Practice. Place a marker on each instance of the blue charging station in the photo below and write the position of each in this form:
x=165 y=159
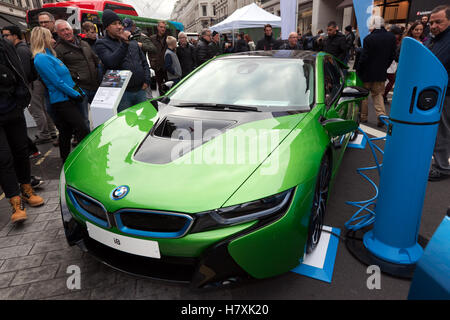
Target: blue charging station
x=393 y=242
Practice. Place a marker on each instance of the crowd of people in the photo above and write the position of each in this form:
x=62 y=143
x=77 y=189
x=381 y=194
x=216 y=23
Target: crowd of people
x=57 y=75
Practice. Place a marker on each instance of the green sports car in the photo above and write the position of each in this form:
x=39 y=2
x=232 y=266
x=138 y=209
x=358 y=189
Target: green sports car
x=228 y=180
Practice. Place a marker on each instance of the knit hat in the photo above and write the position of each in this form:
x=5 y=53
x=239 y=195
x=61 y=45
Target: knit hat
x=109 y=17
x=128 y=24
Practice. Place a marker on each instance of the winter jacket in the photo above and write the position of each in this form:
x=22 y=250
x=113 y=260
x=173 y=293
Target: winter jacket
x=215 y=49
x=267 y=43
x=242 y=46
x=147 y=45
x=440 y=46
x=172 y=65
x=118 y=55
x=17 y=93
x=204 y=52
x=287 y=46
x=379 y=49
x=157 y=57
x=188 y=59
x=335 y=45
x=56 y=77
x=81 y=61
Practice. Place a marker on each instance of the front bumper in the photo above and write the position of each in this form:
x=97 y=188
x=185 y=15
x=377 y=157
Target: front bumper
x=254 y=250
x=215 y=267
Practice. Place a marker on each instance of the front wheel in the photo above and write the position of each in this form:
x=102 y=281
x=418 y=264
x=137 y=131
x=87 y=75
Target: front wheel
x=319 y=205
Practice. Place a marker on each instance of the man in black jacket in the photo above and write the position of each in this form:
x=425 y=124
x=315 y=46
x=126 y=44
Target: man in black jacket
x=379 y=49
x=15 y=166
x=186 y=55
x=82 y=63
x=440 y=46
x=204 y=52
x=335 y=43
x=268 y=42
x=117 y=52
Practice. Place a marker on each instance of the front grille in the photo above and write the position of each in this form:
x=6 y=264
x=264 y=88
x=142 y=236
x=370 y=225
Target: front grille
x=90 y=208
x=153 y=224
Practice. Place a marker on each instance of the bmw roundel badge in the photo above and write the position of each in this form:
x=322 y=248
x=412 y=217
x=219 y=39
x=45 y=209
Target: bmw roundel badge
x=120 y=192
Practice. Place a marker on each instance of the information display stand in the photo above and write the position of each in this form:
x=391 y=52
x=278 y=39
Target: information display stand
x=108 y=96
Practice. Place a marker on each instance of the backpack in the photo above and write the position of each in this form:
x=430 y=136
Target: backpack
x=8 y=79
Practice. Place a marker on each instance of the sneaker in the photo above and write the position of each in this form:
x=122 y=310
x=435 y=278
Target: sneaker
x=30 y=197
x=35 y=155
x=42 y=140
x=36 y=182
x=435 y=175
x=19 y=213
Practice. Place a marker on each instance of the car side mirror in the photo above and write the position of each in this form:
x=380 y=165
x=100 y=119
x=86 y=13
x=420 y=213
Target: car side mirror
x=355 y=92
x=338 y=127
x=168 y=85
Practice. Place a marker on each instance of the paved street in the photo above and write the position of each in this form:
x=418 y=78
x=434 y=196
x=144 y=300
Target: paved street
x=34 y=257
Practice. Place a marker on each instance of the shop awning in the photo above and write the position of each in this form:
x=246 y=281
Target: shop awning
x=8 y=20
x=345 y=4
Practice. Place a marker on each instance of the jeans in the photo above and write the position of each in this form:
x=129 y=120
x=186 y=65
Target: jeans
x=130 y=99
x=14 y=155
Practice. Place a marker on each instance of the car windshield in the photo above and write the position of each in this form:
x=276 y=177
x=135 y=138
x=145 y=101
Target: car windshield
x=270 y=84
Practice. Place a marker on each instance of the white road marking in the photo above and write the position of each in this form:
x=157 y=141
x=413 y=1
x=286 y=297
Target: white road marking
x=372 y=131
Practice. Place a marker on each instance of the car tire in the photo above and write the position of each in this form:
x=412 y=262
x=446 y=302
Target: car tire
x=319 y=205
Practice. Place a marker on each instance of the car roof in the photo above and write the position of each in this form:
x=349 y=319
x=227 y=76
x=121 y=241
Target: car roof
x=284 y=54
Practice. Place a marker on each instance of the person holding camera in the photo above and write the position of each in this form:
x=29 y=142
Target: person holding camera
x=63 y=93
x=119 y=52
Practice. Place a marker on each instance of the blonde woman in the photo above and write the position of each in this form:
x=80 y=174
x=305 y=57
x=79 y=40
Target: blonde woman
x=64 y=94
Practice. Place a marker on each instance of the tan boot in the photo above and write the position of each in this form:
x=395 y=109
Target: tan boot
x=30 y=197
x=19 y=213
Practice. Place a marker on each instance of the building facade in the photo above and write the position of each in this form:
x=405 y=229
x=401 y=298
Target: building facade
x=194 y=14
x=13 y=12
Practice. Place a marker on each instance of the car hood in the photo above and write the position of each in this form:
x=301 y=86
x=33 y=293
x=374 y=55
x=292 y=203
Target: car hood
x=192 y=175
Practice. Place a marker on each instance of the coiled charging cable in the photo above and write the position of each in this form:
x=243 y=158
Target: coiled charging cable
x=365 y=216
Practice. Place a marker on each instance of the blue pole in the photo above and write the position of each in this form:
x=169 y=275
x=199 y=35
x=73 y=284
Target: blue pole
x=414 y=120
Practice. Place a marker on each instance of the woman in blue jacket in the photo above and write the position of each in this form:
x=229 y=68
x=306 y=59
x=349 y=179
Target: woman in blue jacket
x=61 y=89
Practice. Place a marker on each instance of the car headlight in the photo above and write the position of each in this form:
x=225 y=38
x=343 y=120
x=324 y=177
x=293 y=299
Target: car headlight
x=249 y=211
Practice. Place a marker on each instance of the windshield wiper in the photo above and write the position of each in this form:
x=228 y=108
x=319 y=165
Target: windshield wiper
x=219 y=106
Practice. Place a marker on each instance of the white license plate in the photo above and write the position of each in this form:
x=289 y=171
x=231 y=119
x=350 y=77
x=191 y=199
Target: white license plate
x=145 y=248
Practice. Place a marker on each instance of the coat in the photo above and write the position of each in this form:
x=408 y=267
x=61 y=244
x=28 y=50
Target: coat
x=81 y=61
x=335 y=45
x=20 y=97
x=440 y=46
x=204 y=52
x=118 y=55
x=188 y=59
x=379 y=50
x=267 y=43
x=157 y=57
x=56 y=77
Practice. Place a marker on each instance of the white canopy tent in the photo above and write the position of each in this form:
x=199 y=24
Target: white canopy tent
x=250 y=16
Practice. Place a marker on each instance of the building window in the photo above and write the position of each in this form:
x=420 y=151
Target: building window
x=204 y=13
